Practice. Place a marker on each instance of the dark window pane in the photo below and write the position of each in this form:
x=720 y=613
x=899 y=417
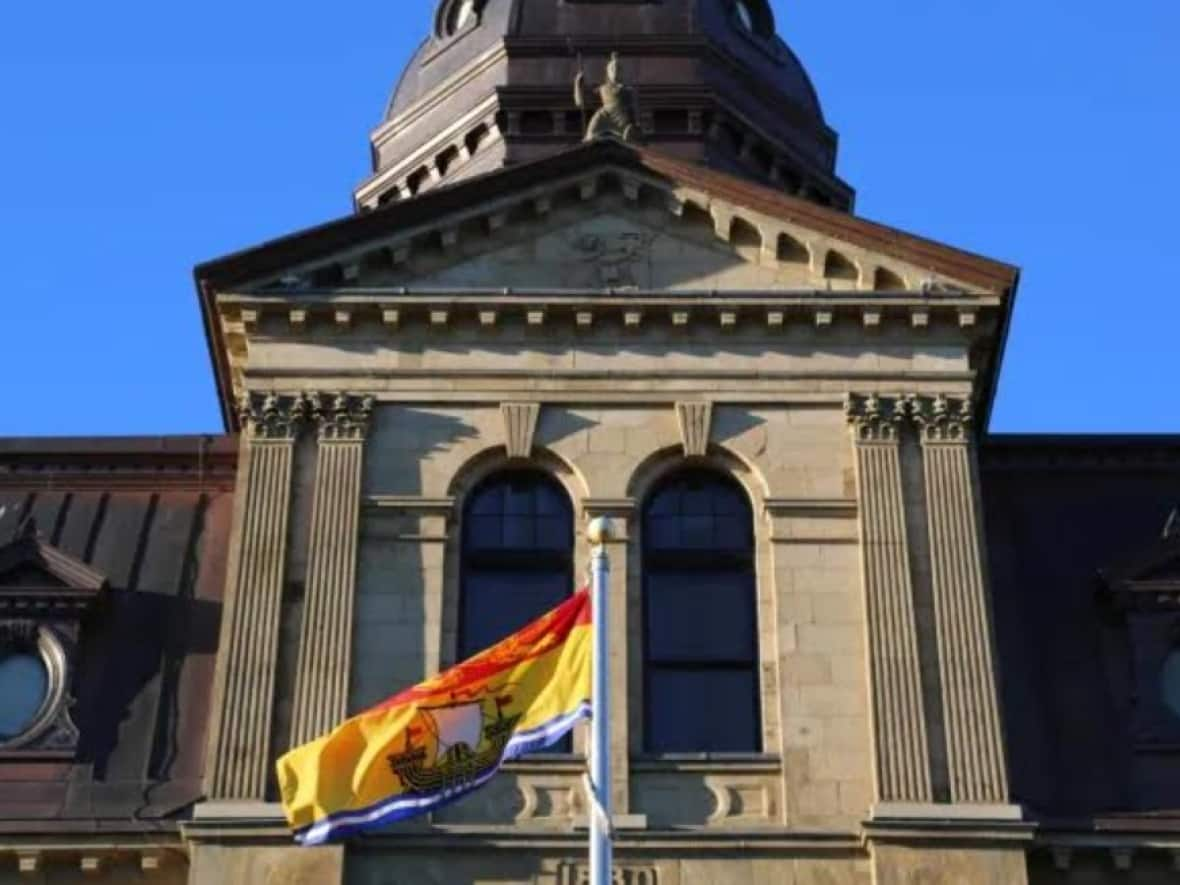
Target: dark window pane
x=518 y=532
x=663 y=533
x=665 y=503
x=519 y=498
x=487 y=501
x=731 y=534
x=552 y=501
x=553 y=533
x=700 y=634
x=697 y=531
x=484 y=532
x=496 y=604
x=702 y=711
x=700 y=616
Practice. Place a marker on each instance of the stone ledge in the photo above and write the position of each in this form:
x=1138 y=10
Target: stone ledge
x=409 y=503
x=889 y=812
x=905 y=822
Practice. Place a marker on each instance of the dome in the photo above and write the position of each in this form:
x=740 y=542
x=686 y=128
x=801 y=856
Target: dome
x=493 y=85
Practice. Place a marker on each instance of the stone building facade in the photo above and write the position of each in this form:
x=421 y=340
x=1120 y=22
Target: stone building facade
x=959 y=669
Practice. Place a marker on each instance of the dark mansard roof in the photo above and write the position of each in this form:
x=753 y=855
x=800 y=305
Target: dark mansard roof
x=148 y=521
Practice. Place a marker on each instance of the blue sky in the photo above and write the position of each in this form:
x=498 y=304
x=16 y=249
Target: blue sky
x=141 y=138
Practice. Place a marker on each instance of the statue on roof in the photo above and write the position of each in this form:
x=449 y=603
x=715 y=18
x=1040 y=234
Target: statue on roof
x=617 y=115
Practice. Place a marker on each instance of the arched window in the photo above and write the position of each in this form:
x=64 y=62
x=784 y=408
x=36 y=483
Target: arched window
x=518 y=548
x=700 y=635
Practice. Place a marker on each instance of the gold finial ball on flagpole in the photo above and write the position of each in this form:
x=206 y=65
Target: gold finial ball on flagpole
x=602 y=529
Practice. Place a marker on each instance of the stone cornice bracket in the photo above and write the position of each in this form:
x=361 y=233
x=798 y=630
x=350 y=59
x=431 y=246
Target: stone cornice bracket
x=520 y=427
x=696 y=426
x=273 y=417
x=942 y=419
x=342 y=418
x=875 y=419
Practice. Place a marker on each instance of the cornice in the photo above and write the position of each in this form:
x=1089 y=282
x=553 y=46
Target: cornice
x=394 y=308
x=67 y=465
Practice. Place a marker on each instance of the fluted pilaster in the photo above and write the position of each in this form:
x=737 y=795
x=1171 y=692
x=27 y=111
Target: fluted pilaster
x=900 y=748
x=240 y=744
x=975 y=749
x=325 y=648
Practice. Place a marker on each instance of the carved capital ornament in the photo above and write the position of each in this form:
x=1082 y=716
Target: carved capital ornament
x=941 y=419
x=342 y=418
x=874 y=418
x=273 y=417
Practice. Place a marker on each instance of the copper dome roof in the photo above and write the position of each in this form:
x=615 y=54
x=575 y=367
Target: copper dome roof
x=492 y=85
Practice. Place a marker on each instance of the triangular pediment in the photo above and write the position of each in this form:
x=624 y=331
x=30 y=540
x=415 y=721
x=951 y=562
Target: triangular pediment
x=30 y=565
x=602 y=218
x=619 y=231
x=1149 y=576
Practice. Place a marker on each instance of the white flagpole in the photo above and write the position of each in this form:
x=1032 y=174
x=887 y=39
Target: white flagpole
x=601 y=849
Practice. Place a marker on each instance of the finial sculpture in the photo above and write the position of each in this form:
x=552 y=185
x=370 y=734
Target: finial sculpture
x=616 y=117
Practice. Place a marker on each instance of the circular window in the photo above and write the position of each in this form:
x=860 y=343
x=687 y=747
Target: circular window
x=24 y=690
x=1170 y=683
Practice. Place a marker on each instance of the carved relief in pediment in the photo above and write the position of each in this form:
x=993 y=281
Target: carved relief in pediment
x=607 y=230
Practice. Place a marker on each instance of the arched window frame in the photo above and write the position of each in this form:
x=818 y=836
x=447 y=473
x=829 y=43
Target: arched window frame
x=522 y=560
x=649 y=477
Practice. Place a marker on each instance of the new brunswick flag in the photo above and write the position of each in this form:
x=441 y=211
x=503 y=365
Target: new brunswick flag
x=441 y=740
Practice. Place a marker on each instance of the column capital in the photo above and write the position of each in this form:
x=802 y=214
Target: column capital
x=341 y=417
x=943 y=419
x=875 y=418
x=269 y=416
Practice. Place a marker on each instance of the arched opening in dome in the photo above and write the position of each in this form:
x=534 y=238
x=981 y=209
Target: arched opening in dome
x=696 y=220
x=446 y=160
x=417 y=179
x=792 y=251
x=476 y=138
x=839 y=267
x=886 y=280
x=746 y=239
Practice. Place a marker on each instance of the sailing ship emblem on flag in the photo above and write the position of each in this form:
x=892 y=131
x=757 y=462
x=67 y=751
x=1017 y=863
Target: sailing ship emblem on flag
x=440 y=740
x=452 y=745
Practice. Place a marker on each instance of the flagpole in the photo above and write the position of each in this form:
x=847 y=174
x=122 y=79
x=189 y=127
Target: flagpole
x=601 y=849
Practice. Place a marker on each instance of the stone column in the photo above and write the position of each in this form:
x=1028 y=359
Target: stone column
x=325 y=647
x=239 y=760
x=975 y=748
x=901 y=754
